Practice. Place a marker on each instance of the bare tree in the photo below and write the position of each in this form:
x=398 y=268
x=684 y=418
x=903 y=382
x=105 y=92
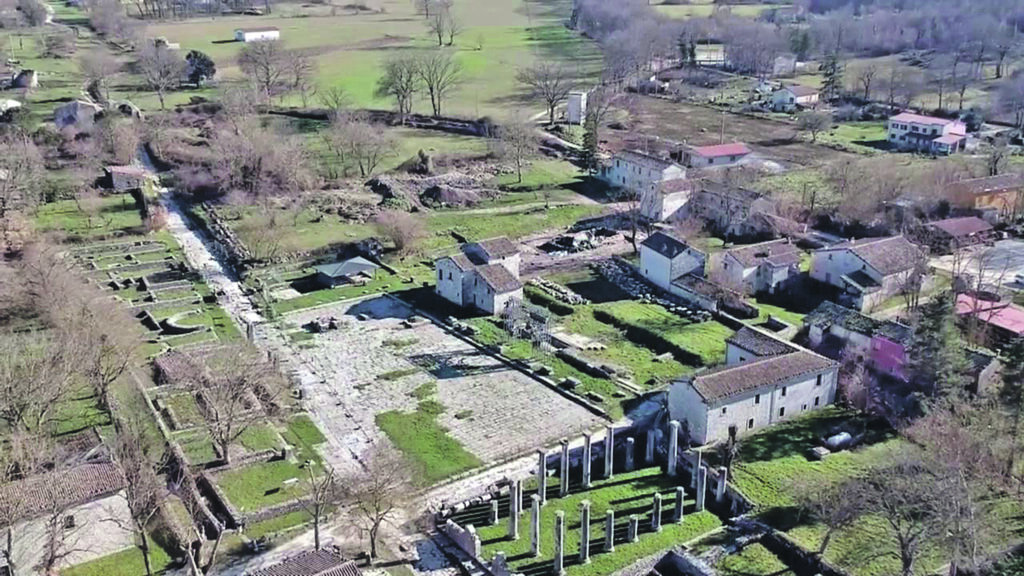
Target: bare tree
x=301 y=72
x=99 y=67
x=257 y=161
x=137 y=458
x=1010 y=98
x=356 y=143
x=400 y=80
x=324 y=493
x=439 y=19
x=162 y=68
x=334 y=98
x=403 y=229
x=517 y=142
x=240 y=390
x=865 y=76
x=814 y=123
x=24 y=455
x=266 y=65
x=22 y=165
x=548 y=81
x=831 y=504
x=37 y=370
x=380 y=491
x=440 y=74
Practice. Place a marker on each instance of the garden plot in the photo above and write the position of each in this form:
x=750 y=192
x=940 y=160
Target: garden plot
x=434 y=395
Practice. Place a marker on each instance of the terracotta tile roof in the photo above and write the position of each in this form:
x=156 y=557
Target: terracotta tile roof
x=36 y=495
x=958 y=227
x=888 y=255
x=495 y=248
x=727 y=382
x=990 y=184
x=311 y=563
x=644 y=159
x=462 y=262
x=1009 y=317
x=716 y=151
x=499 y=278
x=800 y=90
x=665 y=244
x=760 y=343
x=911 y=118
x=774 y=252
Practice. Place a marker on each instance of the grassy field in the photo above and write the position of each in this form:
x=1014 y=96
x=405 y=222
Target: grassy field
x=706 y=8
x=753 y=560
x=115 y=213
x=126 y=562
x=629 y=493
x=498 y=36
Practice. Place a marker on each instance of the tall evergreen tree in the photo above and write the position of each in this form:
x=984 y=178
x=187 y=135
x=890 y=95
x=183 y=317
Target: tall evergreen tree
x=832 y=73
x=937 y=358
x=1013 y=395
x=588 y=155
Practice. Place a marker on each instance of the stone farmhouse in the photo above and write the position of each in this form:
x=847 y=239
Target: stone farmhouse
x=484 y=276
x=714 y=156
x=997 y=198
x=126 y=178
x=763 y=267
x=764 y=380
x=659 y=183
x=257 y=34
x=909 y=131
x=89 y=501
x=794 y=96
x=312 y=563
x=868 y=270
x=729 y=210
x=950 y=235
x=664 y=258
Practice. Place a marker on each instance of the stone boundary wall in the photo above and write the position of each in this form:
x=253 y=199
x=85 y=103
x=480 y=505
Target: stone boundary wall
x=482 y=127
x=465 y=538
x=219 y=500
x=275 y=511
x=794 y=555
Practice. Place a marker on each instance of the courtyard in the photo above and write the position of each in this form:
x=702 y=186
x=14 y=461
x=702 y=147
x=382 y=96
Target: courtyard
x=440 y=400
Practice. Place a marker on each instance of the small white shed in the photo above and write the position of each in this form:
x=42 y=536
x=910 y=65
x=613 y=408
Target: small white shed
x=257 y=34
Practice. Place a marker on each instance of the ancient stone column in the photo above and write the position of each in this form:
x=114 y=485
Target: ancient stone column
x=609 y=452
x=630 y=449
x=494 y=512
x=559 y=543
x=563 y=465
x=702 y=485
x=609 y=531
x=649 y=448
x=696 y=467
x=723 y=477
x=656 y=513
x=535 y=524
x=633 y=528
x=585 y=532
x=677 y=514
x=542 y=476
x=515 y=502
x=673 y=446
x=586 y=460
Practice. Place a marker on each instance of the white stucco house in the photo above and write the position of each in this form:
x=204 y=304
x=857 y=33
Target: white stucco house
x=869 y=270
x=484 y=276
x=908 y=131
x=576 y=107
x=664 y=258
x=659 y=183
x=794 y=96
x=715 y=156
x=765 y=380
x=762 y=267
x=82 y=507
x=257 y=34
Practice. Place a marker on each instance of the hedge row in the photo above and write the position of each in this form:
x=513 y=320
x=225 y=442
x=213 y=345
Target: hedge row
x=541 y=298
x=648 y=338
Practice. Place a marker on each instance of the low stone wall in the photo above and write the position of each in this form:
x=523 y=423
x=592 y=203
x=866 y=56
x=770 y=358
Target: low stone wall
x=189 y=492
x=275 y=511
x=793 y=555
x=218 y=500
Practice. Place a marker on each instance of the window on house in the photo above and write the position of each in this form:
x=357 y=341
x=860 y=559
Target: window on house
x=782 y=412
x=818 y=380
x=829 y=256
x=449 y=275
x=725 y=409
x=783 y=391
x=757 y=399
x=817 y=400
x=804 y=407
x=750 y=423
x=69 y=522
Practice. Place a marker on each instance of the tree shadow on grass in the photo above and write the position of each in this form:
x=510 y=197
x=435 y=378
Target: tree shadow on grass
x=798 y=436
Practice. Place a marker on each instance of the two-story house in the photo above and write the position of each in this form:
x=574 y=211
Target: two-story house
x=765 y=380
x=762 y=267
x=1001 y=195
x=870 y=270
x=664 y=258
x=727 y=210
x=794 y=96
x=909 y=131
x=659 y=183
x=484 y=276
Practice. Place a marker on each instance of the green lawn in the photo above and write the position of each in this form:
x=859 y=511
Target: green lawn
x=251 y=488
x=794 y=318
x=382 y=282
x=490 y=222
x=754 y=560
x=629 y=493
x=863 y=137
x=125 y=563
x=706 y=10
x=185 y=409
x=258 y=438
x=114 y=213
x=428 y=447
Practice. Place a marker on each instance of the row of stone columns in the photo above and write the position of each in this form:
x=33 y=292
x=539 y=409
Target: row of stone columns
x=632 y=530
x=587 y=478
